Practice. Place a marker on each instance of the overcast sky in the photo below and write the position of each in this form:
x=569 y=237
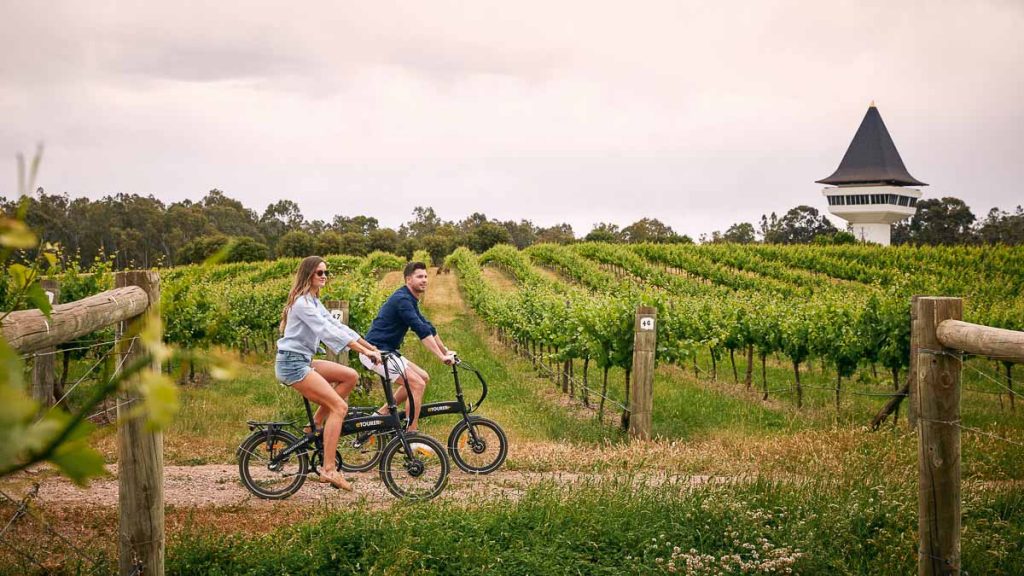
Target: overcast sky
x=699 y=114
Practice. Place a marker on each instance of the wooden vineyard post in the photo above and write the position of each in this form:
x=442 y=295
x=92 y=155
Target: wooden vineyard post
x=140 y=451
x=43 y=374
x=339 y=309
x=641 y=397
x=912 y=403
x=565 y=363
x=936 y=393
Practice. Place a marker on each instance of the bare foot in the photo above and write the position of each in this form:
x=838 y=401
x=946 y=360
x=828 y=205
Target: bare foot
x=335 y=479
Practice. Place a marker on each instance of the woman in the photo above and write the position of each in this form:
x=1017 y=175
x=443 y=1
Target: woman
x=305 y=323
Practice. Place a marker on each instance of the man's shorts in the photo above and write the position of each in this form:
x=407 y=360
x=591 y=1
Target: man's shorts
x=397 y=365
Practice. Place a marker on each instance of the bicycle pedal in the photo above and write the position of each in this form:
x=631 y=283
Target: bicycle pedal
x=363 y=439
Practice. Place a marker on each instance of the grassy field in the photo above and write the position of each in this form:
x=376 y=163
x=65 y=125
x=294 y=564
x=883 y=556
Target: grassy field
x=732 y=484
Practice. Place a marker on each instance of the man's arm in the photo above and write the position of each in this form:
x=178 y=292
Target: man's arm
x=440 y=344
x=431 y=344
x=410 y=317
x=365 y=348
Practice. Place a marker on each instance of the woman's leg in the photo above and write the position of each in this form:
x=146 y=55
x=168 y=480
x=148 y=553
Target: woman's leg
x=316 y=389
x=342 y=378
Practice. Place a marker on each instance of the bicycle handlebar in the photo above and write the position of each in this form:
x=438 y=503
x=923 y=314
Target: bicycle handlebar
x=459 y=363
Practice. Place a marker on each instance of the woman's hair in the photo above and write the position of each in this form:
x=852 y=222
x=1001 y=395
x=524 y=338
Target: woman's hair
x=302 y=284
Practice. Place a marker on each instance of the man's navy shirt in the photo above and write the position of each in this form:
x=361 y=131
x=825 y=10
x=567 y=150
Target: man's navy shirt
x=399 y=313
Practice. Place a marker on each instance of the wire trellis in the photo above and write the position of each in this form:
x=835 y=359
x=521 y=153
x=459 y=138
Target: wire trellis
x=996 y=382
x=24 y=509
x=540 y=363
x=32 y=355
x=971 y=429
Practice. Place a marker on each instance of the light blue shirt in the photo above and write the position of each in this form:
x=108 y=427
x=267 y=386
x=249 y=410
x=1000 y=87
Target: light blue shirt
x=309 y=324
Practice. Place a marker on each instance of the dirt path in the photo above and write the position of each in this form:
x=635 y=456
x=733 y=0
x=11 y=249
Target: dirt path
x=218 y=485
x=499 y=279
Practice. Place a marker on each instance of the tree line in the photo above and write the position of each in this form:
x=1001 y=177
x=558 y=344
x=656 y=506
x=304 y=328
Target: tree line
x=939 y=221
x=132 y=231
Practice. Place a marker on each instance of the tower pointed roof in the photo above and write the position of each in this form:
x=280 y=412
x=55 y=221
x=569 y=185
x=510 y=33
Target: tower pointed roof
x=872 y=157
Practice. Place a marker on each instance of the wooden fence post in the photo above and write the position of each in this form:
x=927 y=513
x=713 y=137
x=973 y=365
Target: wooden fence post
x=642 y=394
x=912 y=403
x=565 y=363
x=140 y=451
x=937 y=398
x=339 y=309
x=43 y=373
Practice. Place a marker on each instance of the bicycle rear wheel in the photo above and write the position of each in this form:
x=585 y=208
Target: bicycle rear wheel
x=420 y=475
x=272 y=482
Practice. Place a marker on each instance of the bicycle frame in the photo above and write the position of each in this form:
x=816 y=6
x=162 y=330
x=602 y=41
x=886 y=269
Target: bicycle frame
x=458 y=406
x=392 y=421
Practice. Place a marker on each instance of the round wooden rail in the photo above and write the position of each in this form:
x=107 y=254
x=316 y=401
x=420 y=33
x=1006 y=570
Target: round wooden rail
x=30 y=331
x=980 y=340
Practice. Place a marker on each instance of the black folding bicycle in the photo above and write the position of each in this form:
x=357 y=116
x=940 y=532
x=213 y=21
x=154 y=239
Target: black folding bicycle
x=273 y=461
x=476 y=444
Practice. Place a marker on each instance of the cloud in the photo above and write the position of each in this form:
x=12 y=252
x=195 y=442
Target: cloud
x=703 y=114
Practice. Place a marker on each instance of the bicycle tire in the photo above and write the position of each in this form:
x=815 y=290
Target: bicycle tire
x=477 y=459
x=256 y=475
x=316 y=462
x=363 y=457
x=421 y=477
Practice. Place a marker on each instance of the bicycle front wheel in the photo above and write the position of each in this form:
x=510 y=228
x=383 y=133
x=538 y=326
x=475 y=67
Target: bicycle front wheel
x=421 y=474
x=479 y=446
x=265 y=479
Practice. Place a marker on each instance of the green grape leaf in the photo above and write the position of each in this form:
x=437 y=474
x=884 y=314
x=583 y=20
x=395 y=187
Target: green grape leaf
x=78 y=461
x=38 y=298
x=16 y=234
x=15 y=405
x=160 y=399
x=20 y=274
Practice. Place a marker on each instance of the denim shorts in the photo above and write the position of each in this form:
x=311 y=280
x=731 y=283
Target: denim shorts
x=291 y=367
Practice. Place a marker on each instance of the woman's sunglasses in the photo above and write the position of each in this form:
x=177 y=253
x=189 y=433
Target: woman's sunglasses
x=323 y=273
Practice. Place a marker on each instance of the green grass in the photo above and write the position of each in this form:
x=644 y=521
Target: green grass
x=688 y=410
x=612 y=527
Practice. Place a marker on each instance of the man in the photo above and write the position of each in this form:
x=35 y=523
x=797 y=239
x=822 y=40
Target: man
x=396 y=317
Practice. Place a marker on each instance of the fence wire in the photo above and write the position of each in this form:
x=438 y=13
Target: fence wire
x=95 y=365
x=541 y=363
x=23 y=510
x=971 y=429
x=996 y=382
x=32 y=355
x=110 y=408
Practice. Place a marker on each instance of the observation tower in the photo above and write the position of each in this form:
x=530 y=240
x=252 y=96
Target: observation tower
x=870 y=188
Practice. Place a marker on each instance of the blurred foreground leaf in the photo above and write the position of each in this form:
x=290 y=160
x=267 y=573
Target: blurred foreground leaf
x=16 y=234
